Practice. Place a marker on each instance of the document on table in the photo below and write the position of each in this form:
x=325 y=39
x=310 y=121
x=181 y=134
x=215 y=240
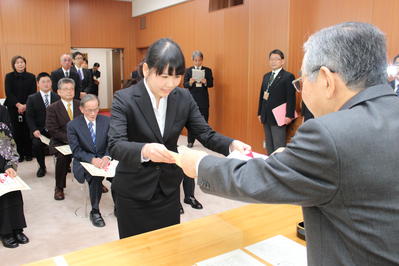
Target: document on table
x=233 y=258
x=45 y=140
x=65 y=149
x=8 y=184
x=279 y=250
x=95 y=171
x=247 y=156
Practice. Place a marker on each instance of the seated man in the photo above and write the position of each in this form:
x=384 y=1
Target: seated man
x=57 y=116
x=36 y=106
x=88 y=138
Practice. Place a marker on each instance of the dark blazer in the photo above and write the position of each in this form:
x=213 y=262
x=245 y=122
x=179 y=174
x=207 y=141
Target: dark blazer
x=18 y=87
x=58 y=74
x=133 y=124
x=94 y=86
x=86 y=83
x=200 y=94
x=56 y=121
x=281 y=91
x=82 y=146
x=36 y=112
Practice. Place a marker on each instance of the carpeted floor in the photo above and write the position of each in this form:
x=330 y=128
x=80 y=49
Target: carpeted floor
x=58 y=227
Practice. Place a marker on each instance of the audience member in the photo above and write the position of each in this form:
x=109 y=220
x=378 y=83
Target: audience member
x=66 y=71
x=84 y=73
x=96 y=74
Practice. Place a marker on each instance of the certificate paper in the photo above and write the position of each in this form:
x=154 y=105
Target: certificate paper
x=95 y=171
x=45 y=140
x=8 y=184
x=198 y=74
x=233 y=258
x=65 y=149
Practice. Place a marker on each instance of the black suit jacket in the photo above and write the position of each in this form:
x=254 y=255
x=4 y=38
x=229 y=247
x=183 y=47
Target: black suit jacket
x=86 y=83
x=281 y=91
x=200 y=94
x=82 y=146
x=133 y=124
x=36 y=112
x=56 y=121
x=58 y=74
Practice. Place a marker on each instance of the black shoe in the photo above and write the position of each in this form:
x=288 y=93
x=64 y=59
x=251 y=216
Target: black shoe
x=190 y=145
x=9 y=241
x=96 y=219
x=21 y=159
x=21 y=238
x=69 y=169
x=181 y=209
x=41 y=172
x=28 y=158
x=193 y=202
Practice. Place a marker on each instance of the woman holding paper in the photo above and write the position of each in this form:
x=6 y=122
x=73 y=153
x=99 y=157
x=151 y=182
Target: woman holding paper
x=12 y=219
x=146 y=122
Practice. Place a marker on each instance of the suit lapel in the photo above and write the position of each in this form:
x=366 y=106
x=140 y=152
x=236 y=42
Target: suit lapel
x=40 y=101
x=63 y=111
x=144 y=103
x=277 y=79
x=170 y=113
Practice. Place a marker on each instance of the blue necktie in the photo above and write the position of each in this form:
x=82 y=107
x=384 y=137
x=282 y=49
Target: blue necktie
x=46 y=102
x=92 y=133
x=81 y=74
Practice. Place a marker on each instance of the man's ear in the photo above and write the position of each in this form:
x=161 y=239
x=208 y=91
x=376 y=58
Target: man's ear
x=327 y=78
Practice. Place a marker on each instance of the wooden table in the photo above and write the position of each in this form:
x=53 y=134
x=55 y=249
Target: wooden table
x=194 y=241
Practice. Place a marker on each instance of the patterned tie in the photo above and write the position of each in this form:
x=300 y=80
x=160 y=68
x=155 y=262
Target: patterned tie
x=92 y=133
x=80 y=74
x=69 y=111
x=46 y=102
x=397 y=89
x=67 y=74
x=271 y=79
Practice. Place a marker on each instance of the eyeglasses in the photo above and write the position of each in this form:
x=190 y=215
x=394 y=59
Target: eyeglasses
x=298 y=84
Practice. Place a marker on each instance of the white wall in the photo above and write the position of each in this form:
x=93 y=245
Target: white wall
x=140 y=7
x=104 y=58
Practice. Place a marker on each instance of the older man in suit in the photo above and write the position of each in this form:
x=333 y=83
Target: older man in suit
x=57 y=116
x=84 y=73
x=36 y=117
x=66 y=71
x=276 y=89
x=338 y=167
x=88 y=138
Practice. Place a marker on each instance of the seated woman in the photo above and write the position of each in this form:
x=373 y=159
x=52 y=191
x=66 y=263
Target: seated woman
x=12 y=219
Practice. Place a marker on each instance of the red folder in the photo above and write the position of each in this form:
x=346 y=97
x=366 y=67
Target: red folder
x=279 y=113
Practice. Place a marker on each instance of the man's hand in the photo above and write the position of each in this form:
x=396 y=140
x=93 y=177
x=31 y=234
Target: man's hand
x=188 y=161
x=11 y=172
x=157 y=153
x=105 y=162
x=240 y=146
x=280 y=149
x=259 y=118
x=97 y=162
x=37 y=134
x=191 y=81
x=203 y=81
x=288 y=120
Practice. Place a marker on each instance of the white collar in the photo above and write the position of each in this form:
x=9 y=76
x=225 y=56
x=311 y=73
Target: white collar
x=277 y=71
x=88 y=121
x=152 y=96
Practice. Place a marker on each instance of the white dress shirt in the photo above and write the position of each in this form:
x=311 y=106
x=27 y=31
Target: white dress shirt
x=66 y=71
x=94 y=124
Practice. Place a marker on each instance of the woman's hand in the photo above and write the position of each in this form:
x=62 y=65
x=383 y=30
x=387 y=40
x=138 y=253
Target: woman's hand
x=11 y=172
x=158 y=153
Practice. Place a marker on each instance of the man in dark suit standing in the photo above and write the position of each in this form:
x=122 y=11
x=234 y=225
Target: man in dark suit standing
x=276 y=89
x=395 y=83
x=36 y=117
x=96 y=74
x=57 y=116
x=83 y=73
x=88 y=139
x=66 y=71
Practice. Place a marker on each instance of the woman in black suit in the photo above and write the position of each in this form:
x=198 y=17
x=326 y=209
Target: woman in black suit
x=19 y=84
x=146 y=122
x=12 y=219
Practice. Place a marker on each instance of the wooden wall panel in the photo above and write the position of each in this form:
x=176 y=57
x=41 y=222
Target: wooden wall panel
x=25 y=31
x=104 y=24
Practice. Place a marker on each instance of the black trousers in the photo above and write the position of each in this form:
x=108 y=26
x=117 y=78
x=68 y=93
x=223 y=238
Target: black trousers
x=61 y=169
x=188 y=187
x=141 y=216
x=205 y=114
x=12 y=216
x=21 y=135
x=38 y=148
x=95 y=190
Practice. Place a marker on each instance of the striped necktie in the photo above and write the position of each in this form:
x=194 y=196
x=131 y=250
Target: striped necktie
x=271 y=79
x=46 y=101
x=92 y=132
x=69 y=111
x=80 y=73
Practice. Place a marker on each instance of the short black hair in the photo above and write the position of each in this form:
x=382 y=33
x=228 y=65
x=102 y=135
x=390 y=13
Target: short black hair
x=41 y=75
x=277 y=51
x=96 y=65
x=75 y=54
x=394 y=59
x=165 y=53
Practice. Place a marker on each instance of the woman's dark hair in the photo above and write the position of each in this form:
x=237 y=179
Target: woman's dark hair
x=14 y=59
x=165 y=53
x=41 y=75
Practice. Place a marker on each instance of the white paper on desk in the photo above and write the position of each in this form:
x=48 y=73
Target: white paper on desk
x=65 y=149
x=233 y=258
x=245 y=157
x=8 y=184
x=45 y=140
x=198 y=74
x=95 y=171
x=279 y=250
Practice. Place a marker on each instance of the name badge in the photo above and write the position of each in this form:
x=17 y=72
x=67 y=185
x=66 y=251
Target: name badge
x=266 y=95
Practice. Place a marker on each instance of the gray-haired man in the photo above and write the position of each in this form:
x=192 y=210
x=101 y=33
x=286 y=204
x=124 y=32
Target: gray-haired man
x=341 y=167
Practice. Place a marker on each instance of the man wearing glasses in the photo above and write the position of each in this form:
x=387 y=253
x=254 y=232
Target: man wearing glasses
x=276 y=90
x=341 y=166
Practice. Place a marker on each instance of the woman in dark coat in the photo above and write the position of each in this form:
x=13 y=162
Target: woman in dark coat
x=19 y=84
x=12 y=219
